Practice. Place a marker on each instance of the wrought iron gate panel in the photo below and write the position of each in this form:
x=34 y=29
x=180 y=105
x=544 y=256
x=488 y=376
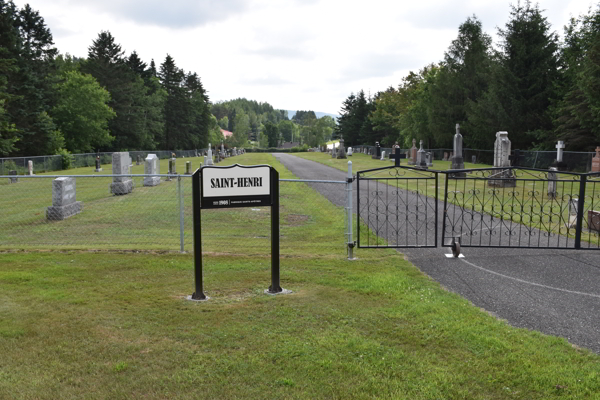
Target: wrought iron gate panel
x=590 y=236
x=519 y=208
x=399 y=206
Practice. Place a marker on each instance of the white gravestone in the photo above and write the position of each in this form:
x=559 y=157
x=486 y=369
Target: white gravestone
x=559 y=150
x=429 y=159
x=64 y=204
x=349 y=151
x=457 y=158
x=209 y=160
x=30 y=167
x=120 y=166
x=552 y=183
x=421 y=161
x=152 y=167
x=382 y=155
x=502 y=149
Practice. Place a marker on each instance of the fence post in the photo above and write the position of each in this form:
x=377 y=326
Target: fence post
x=180 y=195
x=580 y=205
x=350 y=242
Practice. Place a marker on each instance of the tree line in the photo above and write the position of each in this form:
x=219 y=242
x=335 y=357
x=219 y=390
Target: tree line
x=250 y=120
x=533 y=85
x=52 y=103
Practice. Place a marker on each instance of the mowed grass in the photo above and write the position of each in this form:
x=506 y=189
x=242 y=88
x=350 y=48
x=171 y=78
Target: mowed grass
x=118 y=326
x=528 y=203
x=149 y=217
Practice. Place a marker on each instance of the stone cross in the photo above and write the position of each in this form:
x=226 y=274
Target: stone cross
x=151 y=167
x=396 y=155
x=64 y=204
x=559 y=150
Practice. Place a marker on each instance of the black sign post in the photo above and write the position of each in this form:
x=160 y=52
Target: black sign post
x=235 y=186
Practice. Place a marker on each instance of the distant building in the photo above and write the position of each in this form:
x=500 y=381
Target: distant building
x=226 y=134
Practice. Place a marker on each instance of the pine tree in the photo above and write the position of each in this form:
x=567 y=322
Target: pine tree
x=522 y=85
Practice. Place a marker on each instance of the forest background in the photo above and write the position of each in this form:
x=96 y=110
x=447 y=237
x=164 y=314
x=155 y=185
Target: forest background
x=532 y=84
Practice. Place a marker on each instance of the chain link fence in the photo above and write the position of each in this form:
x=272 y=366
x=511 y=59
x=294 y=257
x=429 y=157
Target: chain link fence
x=55 y=163
x=38 y=214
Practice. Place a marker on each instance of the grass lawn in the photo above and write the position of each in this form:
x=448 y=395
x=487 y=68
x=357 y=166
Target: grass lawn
x=76 y=324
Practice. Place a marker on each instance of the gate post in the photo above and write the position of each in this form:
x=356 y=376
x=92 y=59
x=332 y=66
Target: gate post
x=350 y=242
x=580 y=205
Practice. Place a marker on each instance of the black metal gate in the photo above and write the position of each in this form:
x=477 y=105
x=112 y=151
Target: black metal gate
x=522 y=208
x=399 y=205
x=490 y=207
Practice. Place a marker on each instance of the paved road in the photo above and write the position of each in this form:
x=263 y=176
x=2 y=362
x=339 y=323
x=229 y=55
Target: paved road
x=556 y=292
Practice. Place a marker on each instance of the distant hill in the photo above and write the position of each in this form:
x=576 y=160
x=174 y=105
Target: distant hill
x=319 y=114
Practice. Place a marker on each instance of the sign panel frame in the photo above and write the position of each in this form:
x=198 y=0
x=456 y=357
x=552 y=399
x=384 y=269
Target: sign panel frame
x=238 y=197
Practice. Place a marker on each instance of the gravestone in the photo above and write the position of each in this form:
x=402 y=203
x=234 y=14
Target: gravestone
x=341 y=151
x=501 y=160
x=559 y=163
x=98 y=166
x=333 y=151
x=209 y=159
x=413 y=153
x=222 y=148
x=376 y=154
x=120 y=166
x=138 y=160
x=573 y=209
x=64 y=204
x=596 y=161
x=407 y=156
x=152 y=167
x=396 y=154
x=349 y=151
x=382 y=155
x=445 y=156
x=457 y=158
x=450 y=156
x=502 y=150
x=188 y=167
x=172 y=167
x=30 y=168
x=473 y=160
x=552 y=177
x=13 y=180
x=593 y=220
x=429 y=159
x=421 y=161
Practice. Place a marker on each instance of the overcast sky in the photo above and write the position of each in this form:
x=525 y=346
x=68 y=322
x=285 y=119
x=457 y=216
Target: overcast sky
x=295 y=55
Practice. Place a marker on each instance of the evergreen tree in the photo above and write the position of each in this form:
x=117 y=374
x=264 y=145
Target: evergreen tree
x=523 y=83
x=106 y=63
x=171 y=79
x=27 y=53
x=461 y=80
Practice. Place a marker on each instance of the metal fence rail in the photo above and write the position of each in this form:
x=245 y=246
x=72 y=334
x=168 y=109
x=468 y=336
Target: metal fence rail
x=159 y=218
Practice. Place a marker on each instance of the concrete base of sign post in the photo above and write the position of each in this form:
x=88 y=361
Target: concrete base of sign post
x=283 y=291
x=191 y=299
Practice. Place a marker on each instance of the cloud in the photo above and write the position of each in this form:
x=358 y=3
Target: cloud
x=377 y=65
x=169 y=14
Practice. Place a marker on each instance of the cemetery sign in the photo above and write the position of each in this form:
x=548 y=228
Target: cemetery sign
x=236 y=186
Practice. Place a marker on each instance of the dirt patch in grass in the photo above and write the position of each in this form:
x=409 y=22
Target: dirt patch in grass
x=296 y=219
